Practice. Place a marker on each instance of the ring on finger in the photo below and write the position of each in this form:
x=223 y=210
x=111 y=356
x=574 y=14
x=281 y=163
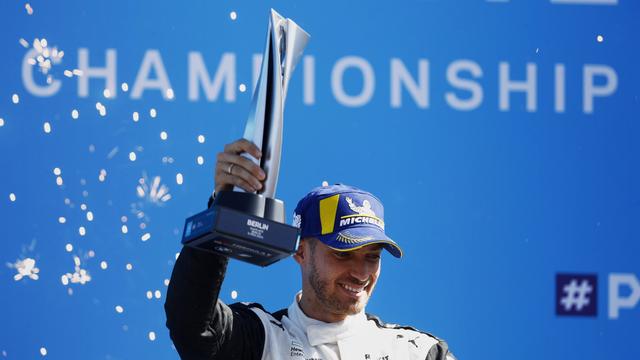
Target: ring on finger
x=230 y=168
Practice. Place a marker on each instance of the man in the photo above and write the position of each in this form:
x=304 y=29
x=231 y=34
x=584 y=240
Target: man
x=342 y=236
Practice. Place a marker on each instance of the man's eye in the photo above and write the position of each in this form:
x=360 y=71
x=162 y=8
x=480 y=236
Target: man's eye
x=374 y=257
x=341 y=254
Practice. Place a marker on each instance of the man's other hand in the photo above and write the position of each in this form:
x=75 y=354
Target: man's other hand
x=234 y=169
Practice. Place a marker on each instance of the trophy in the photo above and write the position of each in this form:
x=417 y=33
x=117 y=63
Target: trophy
x=251 y=226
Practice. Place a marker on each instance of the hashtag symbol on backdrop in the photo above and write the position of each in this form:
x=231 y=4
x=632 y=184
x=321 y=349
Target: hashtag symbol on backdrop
x=576 y=295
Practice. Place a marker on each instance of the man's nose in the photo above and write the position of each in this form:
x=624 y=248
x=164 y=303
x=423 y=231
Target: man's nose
x=362 y=270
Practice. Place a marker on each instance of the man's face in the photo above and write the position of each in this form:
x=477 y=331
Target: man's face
x=339 y=283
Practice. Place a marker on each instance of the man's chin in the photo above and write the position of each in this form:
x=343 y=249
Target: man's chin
x=356 y=307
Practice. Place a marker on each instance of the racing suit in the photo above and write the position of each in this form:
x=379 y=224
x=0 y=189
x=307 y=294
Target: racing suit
x=203 y=327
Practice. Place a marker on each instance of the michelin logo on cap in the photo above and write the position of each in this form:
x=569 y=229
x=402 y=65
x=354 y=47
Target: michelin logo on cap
x=364 y=215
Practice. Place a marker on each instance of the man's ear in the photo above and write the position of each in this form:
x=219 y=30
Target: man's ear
x=303 y=249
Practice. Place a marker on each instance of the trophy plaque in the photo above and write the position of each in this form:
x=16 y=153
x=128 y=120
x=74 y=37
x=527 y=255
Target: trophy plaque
x=251 y=226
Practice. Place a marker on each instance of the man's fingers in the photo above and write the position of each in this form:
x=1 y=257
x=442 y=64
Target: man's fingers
x=243 y=145
x=234 y=180
x=234 y=169
x=238 y=171
x=224 y=159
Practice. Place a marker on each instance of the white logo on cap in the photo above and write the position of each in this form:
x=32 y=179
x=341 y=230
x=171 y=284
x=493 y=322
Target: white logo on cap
x=365 y=209
x=364 y=215
x=297 y=220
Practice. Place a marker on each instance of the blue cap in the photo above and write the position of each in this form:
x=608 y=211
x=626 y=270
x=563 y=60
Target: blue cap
x=344 y=218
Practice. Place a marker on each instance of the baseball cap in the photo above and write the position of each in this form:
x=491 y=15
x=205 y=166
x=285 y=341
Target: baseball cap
x=344 y=218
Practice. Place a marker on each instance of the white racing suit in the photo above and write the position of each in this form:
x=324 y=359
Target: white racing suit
x=203 y=327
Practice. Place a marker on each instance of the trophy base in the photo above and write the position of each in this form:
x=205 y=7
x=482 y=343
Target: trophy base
x=244 y=226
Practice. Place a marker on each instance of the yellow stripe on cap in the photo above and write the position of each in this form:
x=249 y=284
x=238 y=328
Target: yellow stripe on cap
x=328 y=209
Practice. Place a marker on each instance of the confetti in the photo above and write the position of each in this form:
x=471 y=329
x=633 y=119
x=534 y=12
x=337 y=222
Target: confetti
x=157 y=294
x=106 y=93
x=200 y=160
x=57 y=171
x=43 y=351
x=153 y=113
x=75 y=114
x=112 y=153
x=68 y=73
x=119 y=309
x=1 y=122
x=166 y=282
x=103 y=265
x=82 y=231
x=83 y=207
x=59 y=181
x=29 y=9
x=179 y=179
x=26 y=268
x=201 y=139
x=136 y=116
x=167 y=159
x=233 y=15
x=129 y=267
x=12 y=197
x=242 y=88
x=163 y=135
x=45 y=56
x=234 y=295
x=170 y=94
x=149 y=295
x=145 y=237
x=79 y=276
x=103 y=175
x=46 y=127
x=69 y=248
x=157 y=193
x=132 y=156
x=600 y=38
x=102 y=110
x=124 y=229
x=15 y=98
x=89 y=216
x=124 y=87
x=62 y=220
x=152 y=336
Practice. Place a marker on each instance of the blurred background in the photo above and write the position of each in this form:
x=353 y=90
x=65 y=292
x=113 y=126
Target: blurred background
x=502 y=137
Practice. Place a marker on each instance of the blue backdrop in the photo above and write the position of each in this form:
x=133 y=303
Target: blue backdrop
x=501 y=136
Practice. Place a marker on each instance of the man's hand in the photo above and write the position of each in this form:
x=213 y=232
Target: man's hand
x=234 y=169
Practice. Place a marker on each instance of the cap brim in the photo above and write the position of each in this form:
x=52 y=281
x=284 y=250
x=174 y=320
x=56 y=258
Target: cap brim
x=357 y=237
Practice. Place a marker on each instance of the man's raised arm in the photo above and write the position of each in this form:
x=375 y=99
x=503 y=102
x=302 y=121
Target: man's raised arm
x=200 y=325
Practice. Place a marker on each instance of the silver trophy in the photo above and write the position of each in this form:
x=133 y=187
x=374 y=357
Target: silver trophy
x=251 y=226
